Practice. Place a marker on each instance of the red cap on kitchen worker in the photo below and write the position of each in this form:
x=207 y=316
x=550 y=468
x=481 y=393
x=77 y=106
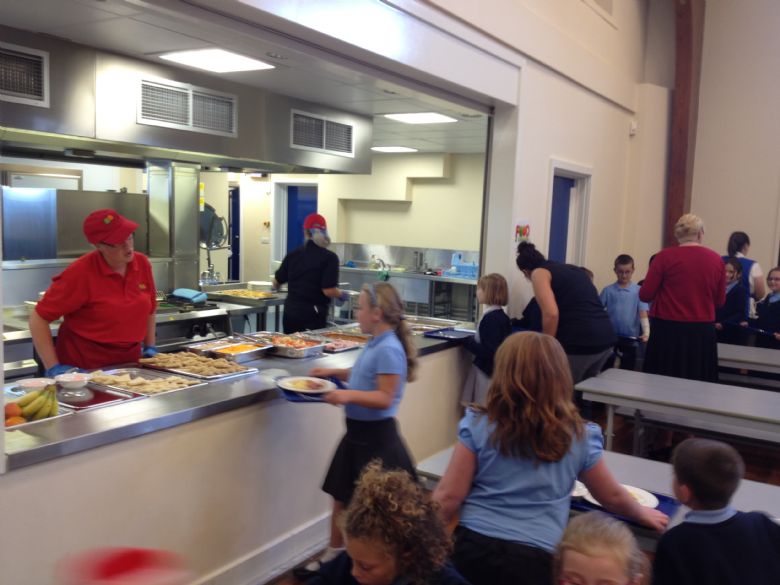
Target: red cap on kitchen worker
x=106 y=226
x=314 y=221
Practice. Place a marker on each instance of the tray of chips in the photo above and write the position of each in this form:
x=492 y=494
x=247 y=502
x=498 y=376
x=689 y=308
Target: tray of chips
x=142 y=381
x=197 y=366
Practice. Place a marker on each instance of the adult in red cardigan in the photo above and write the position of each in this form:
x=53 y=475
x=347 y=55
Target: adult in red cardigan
x=106 y=299
x=685 y=285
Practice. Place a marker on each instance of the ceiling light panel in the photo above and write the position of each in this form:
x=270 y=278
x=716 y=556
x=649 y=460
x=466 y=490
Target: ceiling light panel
x=393 y=149
x=421 y=118
x=216 y=60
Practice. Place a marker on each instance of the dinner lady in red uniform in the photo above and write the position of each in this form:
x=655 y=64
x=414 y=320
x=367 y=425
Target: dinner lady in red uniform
x=106 y=299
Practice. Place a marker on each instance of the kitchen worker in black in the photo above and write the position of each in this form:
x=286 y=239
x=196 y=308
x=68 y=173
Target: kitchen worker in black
x=311 y=273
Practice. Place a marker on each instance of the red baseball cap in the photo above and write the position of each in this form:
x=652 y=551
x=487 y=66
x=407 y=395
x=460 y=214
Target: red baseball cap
x=314 y=221
x=108 y=227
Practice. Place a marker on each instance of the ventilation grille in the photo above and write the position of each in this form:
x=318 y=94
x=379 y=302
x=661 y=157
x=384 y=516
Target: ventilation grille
x=24 y=75
x=310 y=132
x=186 y=107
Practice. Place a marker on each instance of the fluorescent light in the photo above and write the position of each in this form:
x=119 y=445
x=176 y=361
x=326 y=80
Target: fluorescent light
x=421 y=118
x=217 y=60
x=393 y=149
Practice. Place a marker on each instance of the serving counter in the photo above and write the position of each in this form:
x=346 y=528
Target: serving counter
x=227 y=474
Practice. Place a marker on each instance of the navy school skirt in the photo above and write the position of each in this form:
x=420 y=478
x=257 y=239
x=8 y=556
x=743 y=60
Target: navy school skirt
x=365 y=441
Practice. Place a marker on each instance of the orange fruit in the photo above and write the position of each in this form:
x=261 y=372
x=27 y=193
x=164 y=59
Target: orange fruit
x=14 y=420
x=12 y=409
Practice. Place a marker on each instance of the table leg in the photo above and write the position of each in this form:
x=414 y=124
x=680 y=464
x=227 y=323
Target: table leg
x=610 y=425
x=638 y=433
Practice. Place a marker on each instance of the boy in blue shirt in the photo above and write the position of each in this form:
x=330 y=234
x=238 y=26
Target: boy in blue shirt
x=715 y=544
x=627 y=313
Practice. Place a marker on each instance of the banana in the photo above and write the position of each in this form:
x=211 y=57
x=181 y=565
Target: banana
x=55 y=406
x=34 y=406
x=44 y=410
x=28 y=398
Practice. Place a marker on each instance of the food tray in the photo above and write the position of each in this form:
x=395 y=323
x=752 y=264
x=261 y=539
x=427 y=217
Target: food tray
x=449 y=333
x=102 y=397
x=150 y=364
x=254 y=301
x=206 y=347
x=12 y=393
x=145 y=374
x=246 y=355
x=419 y=329
x=291 y=352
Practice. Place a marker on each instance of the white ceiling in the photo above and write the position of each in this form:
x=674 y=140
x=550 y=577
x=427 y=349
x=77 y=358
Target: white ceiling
x=140 y=29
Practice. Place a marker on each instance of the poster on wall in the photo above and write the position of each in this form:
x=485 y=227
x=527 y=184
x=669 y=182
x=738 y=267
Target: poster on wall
x=522 y=232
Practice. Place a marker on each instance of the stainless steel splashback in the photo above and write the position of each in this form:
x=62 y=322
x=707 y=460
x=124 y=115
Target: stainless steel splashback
x=408 y=257
x=74 y=206
x=42 y=224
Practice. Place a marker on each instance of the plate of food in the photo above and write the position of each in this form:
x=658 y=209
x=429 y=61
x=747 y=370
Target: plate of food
x=579 y=490
x=306 y=385
x=643 y=497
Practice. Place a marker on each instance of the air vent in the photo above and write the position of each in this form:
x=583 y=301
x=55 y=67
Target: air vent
x=310 y=132
x=185 y=107
x=24 y=75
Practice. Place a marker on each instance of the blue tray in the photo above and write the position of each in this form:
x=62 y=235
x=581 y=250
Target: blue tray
x=449 y=333
x=666 y=504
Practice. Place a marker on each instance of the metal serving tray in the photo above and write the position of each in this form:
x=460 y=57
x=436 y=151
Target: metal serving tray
x=206 y=347
x=217 y=295
x=12 y=392
x=328 y=337
x=201 y=376
x=291 y=352
x=243 y=356
x=102 y=396
x=141 y=373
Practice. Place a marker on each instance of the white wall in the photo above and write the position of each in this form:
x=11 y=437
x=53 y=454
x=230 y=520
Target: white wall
x=736 y=183
x=255 y=227
x=425 y=200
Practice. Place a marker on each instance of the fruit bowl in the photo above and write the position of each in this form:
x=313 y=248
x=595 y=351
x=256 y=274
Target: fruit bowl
x=73 y=380
x=34 y=383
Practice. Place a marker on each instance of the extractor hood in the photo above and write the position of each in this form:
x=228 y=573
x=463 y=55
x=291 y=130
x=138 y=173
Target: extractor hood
x=111 y=109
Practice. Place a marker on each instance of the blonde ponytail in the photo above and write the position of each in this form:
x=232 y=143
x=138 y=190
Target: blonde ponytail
x=384 y=296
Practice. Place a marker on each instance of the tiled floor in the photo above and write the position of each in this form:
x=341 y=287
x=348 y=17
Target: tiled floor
x=762 y=464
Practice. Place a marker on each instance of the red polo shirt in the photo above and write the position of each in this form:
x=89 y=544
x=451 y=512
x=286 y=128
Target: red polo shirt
x=105 y=314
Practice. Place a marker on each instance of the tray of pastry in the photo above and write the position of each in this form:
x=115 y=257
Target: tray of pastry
x=242 y=296
x=233 y=349
x=142 y=381
x=292 y=346
x=197 y=366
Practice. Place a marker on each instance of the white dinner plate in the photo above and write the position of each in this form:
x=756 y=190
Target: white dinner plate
x=306 y=384
x=579 y=491
x=644 y=497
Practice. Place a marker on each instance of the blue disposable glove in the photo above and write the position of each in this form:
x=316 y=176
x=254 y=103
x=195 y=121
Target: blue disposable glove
x=58 y=369
x=342 y=298
x=149 y=351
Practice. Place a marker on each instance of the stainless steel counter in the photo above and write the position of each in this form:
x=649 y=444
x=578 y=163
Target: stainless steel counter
x=88 y=429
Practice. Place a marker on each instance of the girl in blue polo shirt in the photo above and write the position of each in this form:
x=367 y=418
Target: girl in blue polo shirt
x=512 y=472
x=375 y=386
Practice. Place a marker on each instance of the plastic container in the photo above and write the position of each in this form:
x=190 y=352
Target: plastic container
x=123 y=566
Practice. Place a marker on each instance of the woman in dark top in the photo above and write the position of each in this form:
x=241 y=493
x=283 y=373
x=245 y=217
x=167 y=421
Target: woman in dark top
x=732 y=318
x=686 y=284
x=312 y=274
x=571 y=310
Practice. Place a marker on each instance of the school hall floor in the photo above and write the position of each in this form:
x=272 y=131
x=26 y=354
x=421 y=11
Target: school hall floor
x=762 y=463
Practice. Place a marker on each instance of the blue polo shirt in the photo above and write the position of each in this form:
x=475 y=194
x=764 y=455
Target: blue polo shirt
x=623 y=306
x=522 y=499
x=383 y=354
